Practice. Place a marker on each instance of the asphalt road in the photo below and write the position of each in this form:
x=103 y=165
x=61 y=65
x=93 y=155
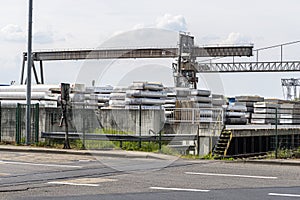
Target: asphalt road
x=59 y=176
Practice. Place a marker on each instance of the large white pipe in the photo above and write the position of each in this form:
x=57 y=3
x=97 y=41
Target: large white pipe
x=22 y=88
x=13 y=103
x=22 y=96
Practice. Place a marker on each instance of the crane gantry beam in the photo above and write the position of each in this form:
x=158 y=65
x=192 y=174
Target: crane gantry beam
x=215 y=51
x=284 y=66
x=208 y=51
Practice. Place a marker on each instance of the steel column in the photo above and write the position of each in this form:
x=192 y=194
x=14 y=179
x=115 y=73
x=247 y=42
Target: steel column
x=35 y=73
x=42 y=72
x=29 y=63
x=22 y=70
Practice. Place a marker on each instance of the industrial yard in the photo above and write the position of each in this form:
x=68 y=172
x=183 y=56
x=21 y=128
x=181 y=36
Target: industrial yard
x=149 y=99
x=185 y=118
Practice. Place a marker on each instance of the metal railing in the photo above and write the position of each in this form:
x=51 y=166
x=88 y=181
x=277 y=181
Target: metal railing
x=194 y=115
x=158 y=138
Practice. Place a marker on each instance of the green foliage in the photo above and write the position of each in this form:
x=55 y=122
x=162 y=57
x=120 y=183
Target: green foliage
x=41 y=144
x=227 y=158
x=111 y=131
x=208 y=157
x=190 y=156
x=169 y=151
x=285 y=153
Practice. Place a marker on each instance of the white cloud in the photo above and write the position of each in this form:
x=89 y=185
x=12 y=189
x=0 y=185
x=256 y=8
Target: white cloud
x=13 y=32
x=167 y=22
x=47 y=37
x=138 y=26
x=43 y=37
x=172 y=22
x=236 y=38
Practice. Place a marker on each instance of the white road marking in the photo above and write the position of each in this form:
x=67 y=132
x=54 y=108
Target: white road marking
x=39 y=164
x=74 y=184
x=284 y=195
x=179 y=189
x=231 y=175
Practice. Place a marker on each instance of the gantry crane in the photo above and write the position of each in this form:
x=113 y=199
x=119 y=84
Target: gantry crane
x=289 y=87
x=186 y=53
x=185 y=69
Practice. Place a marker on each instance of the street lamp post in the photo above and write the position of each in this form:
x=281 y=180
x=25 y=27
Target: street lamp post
x=29 y=64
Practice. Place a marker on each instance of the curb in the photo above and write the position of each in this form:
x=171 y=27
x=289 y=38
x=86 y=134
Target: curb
x=272 y=162
x=118 y=154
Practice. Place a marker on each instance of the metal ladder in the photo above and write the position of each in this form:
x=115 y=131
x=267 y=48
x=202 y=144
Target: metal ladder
x=221 y=148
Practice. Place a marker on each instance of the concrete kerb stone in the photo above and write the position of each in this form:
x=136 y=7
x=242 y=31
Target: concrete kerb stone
x=105 y=153
x=289 y=162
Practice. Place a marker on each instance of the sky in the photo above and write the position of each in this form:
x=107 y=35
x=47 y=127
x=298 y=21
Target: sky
x=80 y=24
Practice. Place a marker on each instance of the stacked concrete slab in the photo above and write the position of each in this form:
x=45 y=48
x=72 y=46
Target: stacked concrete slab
x=170 y=101
x=202 y=99
x=218 y=101
x=147 y=95
x=249 y=101
x=182 y=94
x=289 y=113
x=236 y=113
x=100 y=95
x=264 y=113
x=117 y=97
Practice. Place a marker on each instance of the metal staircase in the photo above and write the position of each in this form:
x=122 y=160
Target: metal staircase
x=223 y=143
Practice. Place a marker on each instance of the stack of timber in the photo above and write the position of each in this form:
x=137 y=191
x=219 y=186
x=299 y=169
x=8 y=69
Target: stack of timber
x=145 y=95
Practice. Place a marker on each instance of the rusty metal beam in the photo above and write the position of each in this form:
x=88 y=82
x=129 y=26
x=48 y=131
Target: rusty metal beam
x=139 y=53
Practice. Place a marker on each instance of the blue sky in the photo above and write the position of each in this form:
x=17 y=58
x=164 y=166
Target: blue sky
x=66 y=24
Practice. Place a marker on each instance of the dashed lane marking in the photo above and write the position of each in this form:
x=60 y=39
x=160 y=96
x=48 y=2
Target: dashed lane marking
x=74 y=184
x=231 y=175
x=91 y=182
x=284 y=195
x=39 y=164
x=179 y=189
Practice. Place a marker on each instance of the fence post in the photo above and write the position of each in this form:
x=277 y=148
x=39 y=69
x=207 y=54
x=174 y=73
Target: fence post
x=140 y=126
x=0 y=122
x=18 y=124
x=198 y=141
x=83 y=128
x=193 y=115
x=276 y=133
x=159 y=142
x=37 y=122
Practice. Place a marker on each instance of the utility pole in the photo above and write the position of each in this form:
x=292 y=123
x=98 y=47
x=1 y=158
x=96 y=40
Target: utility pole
x=29 y=64
x=65 y=100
